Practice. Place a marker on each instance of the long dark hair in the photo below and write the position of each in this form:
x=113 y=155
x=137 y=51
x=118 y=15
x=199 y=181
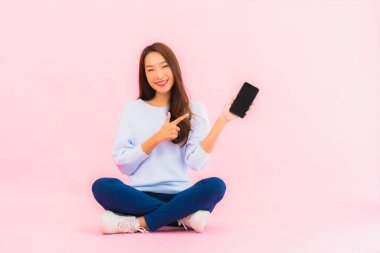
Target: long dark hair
x=179 y=101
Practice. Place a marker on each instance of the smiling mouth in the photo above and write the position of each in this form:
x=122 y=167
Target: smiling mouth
x=162 y=83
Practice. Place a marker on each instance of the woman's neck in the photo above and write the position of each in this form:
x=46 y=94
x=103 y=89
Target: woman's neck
x=160 y=100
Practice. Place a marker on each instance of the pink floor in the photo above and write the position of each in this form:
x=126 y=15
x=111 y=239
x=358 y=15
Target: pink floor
x=72 y=225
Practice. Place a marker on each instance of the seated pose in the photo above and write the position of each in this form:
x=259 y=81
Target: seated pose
x=161 y=135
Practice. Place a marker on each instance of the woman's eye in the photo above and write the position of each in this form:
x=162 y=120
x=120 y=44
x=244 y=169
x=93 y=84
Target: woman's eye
x=165 y=66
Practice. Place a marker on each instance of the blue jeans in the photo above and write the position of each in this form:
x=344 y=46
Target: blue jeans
x=158 y=209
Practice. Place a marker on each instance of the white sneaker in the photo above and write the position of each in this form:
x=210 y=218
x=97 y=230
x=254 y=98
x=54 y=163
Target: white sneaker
x=113 y=223
x=196 y=221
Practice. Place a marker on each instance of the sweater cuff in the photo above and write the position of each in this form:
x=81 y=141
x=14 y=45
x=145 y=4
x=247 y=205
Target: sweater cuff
x=140 y=152
x=201 y=157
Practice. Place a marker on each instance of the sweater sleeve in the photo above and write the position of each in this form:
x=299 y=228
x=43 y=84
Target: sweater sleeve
x=195 y=156
x=126 y=154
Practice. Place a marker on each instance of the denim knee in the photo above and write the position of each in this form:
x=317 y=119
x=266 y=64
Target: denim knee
x=216 y=186
x=101 y=183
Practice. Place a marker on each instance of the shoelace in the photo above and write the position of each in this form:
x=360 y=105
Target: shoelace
x=129 y=226
x=183 y=221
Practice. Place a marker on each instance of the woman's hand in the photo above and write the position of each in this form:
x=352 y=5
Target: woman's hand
x=226 y=115
x=169 y=130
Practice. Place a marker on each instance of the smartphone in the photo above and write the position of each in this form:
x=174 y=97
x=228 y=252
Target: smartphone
x=244 y=99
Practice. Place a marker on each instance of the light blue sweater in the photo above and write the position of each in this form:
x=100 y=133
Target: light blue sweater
x=165 y=169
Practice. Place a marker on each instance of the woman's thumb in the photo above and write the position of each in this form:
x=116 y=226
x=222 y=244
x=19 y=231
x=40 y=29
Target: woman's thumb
x=167 y=117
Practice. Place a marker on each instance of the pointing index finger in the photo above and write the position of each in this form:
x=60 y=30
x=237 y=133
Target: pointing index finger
x=179 y=119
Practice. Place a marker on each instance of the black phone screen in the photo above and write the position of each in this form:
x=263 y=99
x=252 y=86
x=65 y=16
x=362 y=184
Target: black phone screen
x=244 y=99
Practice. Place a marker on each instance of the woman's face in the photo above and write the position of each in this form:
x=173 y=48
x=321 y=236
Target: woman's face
x=158 y=72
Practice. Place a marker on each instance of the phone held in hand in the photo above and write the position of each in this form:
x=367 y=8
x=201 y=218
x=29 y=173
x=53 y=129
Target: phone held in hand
x=244 y=99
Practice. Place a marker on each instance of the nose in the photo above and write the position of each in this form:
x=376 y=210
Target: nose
x=160 y=74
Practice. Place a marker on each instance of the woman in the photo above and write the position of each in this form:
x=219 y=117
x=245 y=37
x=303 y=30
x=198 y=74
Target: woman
x=161 y=135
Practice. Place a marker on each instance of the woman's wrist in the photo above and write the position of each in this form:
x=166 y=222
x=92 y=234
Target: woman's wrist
x=150 y=144
x=157 y=138
x=222 y=119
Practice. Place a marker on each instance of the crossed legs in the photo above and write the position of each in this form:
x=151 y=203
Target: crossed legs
x=153 y=213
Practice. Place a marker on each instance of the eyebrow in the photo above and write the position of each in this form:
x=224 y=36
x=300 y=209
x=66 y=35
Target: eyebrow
x=152 y=65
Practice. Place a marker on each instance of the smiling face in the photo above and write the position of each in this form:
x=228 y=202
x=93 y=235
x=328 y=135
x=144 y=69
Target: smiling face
x=158 y=72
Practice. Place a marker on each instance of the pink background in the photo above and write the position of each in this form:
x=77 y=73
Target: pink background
x=302 y=171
